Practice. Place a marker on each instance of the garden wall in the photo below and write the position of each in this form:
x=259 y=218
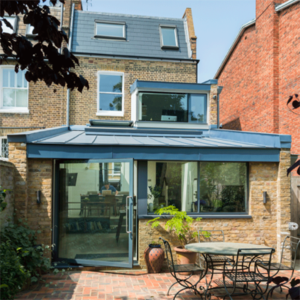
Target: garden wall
x=7 y=182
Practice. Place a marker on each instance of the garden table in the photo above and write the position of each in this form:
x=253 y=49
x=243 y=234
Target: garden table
x=208 y=249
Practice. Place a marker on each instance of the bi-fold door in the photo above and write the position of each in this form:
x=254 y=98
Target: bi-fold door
x=94 y=212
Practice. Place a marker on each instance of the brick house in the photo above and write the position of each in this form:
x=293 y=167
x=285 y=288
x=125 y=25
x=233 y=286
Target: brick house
x=144 y=136
x=261 y=70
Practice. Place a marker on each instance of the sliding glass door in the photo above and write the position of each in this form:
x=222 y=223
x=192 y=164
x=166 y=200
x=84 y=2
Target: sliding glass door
x=94 y=212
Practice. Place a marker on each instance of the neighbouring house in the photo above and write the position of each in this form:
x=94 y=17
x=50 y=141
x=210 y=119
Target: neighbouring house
x=144 y=136
x=25 y=106
x=259 y=73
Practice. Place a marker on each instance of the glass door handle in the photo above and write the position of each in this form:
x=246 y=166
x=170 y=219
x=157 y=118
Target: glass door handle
x=127 y=208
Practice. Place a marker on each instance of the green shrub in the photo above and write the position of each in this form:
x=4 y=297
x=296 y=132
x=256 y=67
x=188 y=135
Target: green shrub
x=21 y=260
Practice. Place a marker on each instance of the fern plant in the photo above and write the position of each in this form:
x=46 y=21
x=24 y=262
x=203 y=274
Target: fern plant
x=180 y=224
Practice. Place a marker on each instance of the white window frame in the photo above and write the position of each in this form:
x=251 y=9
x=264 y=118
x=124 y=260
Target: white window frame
x=162 y=40
x=22 y=110
x=109 y=112
x=96 y=35
x=2 y=138
x=14 y=23
x=28 y=34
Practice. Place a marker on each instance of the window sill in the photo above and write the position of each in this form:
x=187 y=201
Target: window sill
x=110 y=113
x=14 y=111
x=203 y=216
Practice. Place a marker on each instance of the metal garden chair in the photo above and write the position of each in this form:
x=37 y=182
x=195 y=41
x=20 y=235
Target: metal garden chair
x=245 y=270
x=174 y=269
x=216 y=262
x=287 y=262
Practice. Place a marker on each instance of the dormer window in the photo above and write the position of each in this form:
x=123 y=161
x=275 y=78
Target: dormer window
x=12 y=21
x=168 y=37
x=110 y=30
x=165 y=107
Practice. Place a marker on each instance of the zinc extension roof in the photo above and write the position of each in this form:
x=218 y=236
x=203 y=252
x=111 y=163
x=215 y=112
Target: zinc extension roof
x=101 y=136
x=142 y=36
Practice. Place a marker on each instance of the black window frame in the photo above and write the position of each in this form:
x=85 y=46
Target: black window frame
x=188 y=107
x=146 y=214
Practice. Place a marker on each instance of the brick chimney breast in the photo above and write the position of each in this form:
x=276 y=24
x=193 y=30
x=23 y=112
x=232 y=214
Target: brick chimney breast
x=193 y=39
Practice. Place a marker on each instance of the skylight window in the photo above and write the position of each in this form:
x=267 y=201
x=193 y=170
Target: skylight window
x=112 y=30
x=168 y=37
x=12 y=21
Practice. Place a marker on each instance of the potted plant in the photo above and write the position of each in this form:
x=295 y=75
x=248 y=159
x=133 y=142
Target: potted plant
x=181 y=225
x=154 y=257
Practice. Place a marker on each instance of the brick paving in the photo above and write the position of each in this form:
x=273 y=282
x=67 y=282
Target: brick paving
x=123 y=285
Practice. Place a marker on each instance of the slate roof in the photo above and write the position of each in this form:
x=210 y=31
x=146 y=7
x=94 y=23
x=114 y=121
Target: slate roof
x=142 y=36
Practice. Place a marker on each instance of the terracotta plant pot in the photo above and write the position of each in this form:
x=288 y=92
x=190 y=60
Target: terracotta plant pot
x=185 y=257
x=154 y=258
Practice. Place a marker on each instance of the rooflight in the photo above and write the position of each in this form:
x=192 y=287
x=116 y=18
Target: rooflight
x=112 y=30
x=168 y=37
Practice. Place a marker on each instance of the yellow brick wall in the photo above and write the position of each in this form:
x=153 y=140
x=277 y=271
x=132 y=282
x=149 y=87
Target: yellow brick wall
x=84 y=106
x=32 y=175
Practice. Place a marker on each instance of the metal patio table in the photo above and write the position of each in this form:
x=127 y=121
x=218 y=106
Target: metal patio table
x=208 y=249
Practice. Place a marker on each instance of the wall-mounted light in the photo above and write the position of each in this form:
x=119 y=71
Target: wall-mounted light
x=265 y=197
x=38 y=197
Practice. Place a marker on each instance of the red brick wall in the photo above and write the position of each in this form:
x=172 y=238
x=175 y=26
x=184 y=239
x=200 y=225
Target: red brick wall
x=263 y=70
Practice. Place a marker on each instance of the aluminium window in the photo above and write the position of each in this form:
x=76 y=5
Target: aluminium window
x=167 y=107
x=110 y=93
x=14 y=90
x=111 y=30
x=198 y=187
x=3 y=147
x=168 y=37
x=13 y=23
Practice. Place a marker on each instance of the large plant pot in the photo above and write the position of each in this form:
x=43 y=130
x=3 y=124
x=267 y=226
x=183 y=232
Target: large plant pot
x=154 y=258
x=185 y=257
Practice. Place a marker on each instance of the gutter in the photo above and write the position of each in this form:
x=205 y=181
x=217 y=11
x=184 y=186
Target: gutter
x=243 y=28
x=285 y=5
x=69 y=48
x=220 y=88
x=188 y=60
x=61 y=20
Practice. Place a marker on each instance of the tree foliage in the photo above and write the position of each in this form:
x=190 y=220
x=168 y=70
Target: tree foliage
x=295 y=103
x=42 y=58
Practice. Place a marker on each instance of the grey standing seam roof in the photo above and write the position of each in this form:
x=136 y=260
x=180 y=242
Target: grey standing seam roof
x=142 y=36
x=81 y=138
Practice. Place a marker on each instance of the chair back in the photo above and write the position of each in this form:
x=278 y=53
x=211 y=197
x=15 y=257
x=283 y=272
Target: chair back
x=289 y=251
x=94 y=198
x=246 y=259
x=111 y=199
x=169 y=256
x=92 y=193
x=210 y=236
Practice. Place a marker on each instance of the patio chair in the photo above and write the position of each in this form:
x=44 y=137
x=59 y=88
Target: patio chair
x=214 y=262
x=287 y=261
x=245 y=270
x=184 y=281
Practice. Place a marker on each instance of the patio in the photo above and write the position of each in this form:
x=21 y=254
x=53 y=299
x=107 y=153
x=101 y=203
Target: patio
x=118 y=285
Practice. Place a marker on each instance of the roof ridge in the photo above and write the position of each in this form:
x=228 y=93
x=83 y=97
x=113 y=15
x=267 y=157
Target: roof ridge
x=128 y=15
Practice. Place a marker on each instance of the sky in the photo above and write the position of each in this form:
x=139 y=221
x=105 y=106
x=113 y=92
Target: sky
x=216 y=23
